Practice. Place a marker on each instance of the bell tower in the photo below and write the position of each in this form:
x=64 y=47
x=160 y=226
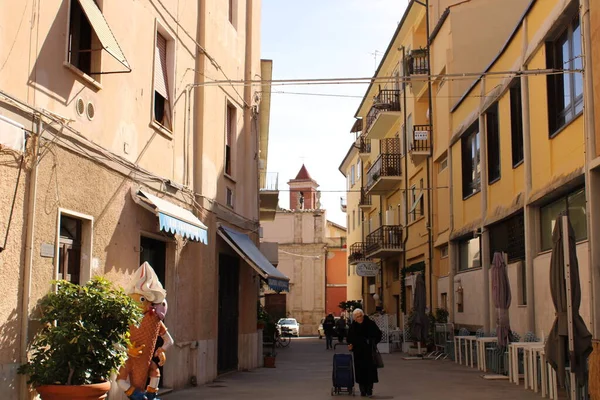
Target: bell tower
x=303 y=191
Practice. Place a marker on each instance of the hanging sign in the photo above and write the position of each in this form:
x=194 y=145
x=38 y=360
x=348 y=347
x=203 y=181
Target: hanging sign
x=421 y=135
x=367 y=269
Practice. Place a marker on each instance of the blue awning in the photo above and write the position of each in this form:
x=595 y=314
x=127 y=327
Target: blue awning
x=172 y=218
x=245 y=247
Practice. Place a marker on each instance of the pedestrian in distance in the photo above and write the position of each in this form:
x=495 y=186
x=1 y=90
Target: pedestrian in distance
x=328 y=329
x=363 y=336
x=340 y=327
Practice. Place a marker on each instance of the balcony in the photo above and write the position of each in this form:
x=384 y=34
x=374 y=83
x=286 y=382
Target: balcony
x=269 y=195
x=343 y=204
x=384 y=174
x=384 y=242
x=365 y=200
x=357 y=253
x=420 y=147
x=364 y=147
x=418 y=69
x=384 y=113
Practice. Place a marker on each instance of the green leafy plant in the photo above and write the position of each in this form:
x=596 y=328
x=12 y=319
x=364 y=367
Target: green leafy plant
x=441 y=315
x=350 y=305
x=84 y=334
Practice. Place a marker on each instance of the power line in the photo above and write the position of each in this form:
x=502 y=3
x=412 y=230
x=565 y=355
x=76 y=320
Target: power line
x=382 y=79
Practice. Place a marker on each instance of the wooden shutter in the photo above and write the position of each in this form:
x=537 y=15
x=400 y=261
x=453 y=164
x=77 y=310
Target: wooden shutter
x=160 y=67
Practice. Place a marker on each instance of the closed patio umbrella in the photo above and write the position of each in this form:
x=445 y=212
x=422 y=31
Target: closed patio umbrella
x=419 y=327
x=557 y=345
x=502 y=298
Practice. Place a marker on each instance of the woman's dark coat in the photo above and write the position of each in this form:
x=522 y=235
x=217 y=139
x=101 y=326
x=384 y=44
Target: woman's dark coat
x=328 y=326
x=364 y=338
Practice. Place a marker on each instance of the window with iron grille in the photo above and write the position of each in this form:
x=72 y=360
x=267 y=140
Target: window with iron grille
x=565 y=90
x=508 y=236
x=493 y=143
x=471 y=161
x=516 y=123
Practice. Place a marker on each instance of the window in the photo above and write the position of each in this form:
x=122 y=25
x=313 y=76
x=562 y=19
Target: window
x=358 y=169
x=353 y=219
x=516 y=123
x=575 y=206
x=413 y=202
x=230 y=197
x=409 y=132
x=508 y=236
x=444 y=301
x=162 y=104
x=74 y=248
x=444 y=251
x=88 y=35
x=352 y=175
x=230 y=128
x=81 y=36
x=471 y=166
x=469 y=254
x=69 y=259
x=493 y=143
x=565 y=91
x=232 y=13
x=443 y=164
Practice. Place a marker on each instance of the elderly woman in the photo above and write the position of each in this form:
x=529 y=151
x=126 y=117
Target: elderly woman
x=363 y=336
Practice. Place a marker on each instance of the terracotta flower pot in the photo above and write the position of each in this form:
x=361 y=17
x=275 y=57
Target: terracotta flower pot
x=269 y=362
x=96 y=391
x=260 y=325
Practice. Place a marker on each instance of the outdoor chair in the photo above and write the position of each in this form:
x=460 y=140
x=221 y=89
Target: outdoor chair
x=463 y=332
x=444 y=341
x=582 y=392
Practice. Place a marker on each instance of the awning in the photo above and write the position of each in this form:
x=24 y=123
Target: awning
x=172 y=218
x=243 y=245
x=103 y=32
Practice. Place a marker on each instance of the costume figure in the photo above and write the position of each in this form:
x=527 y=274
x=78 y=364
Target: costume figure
x=144 y=359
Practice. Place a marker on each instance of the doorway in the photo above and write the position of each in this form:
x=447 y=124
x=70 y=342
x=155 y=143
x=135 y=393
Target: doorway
x=229 y=281
x=154 y=252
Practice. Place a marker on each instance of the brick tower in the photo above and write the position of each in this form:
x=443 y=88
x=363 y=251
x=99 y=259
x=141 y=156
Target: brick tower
x=303 y=191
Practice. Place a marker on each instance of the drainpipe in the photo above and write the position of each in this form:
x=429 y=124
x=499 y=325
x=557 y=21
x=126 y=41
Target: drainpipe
x=429 y=161
x=451 y=245
x=382 y=238
x=529 y=211
x=484 y=242
x=404 y=146
x=29 y=245
x=592 y=180
x=197 y=137
x=248 y=91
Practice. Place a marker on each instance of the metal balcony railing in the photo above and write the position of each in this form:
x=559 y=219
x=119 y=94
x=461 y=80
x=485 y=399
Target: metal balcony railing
x=386 y=100
x=385 y=165
x=269 y=181
x=417 y=62
x=364 y=145
x=357 y=252
x=421 y=138
x=385 y=237
x=365 y=199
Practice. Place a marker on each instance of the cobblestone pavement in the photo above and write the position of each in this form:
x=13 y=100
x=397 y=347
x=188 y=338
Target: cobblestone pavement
x=304 y=372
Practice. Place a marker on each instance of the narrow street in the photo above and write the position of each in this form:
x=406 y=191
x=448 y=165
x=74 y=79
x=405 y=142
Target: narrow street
x=304 y=372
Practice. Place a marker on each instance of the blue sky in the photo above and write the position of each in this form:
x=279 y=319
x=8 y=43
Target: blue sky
x=320 y=39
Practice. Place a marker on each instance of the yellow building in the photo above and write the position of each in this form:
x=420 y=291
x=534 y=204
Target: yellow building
x=515 y=160
x=398 y=196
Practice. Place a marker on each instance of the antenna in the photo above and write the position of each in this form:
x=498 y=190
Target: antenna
x=374 y=54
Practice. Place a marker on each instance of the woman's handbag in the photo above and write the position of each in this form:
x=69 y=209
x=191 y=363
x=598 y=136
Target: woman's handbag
x=377 y=359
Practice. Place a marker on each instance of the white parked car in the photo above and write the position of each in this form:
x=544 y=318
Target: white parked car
x=291 y=326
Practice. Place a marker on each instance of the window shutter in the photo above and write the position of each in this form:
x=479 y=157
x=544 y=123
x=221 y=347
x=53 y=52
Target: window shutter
x=160 y=66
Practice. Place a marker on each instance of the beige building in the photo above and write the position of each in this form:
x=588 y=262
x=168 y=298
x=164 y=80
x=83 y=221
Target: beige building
x=117 y=147
x=307 y=243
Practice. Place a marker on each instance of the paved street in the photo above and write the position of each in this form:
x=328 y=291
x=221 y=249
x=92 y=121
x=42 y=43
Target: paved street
x=304 y=372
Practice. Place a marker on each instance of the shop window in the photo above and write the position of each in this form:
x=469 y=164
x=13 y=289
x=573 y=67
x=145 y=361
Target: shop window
x=469 y=254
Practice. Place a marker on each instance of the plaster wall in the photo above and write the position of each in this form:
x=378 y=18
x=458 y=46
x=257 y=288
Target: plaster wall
x=471 y=282
x=595 y=37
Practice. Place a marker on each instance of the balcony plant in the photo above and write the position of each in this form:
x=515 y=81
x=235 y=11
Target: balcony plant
x=262 y=316
x=83 y=339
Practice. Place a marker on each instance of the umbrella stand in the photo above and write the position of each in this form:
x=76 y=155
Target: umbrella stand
x=565 y=237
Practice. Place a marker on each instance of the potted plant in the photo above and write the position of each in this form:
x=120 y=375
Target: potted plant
x=269 y=359
x=262 y=316
x=83 y=339
x=270 y=337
